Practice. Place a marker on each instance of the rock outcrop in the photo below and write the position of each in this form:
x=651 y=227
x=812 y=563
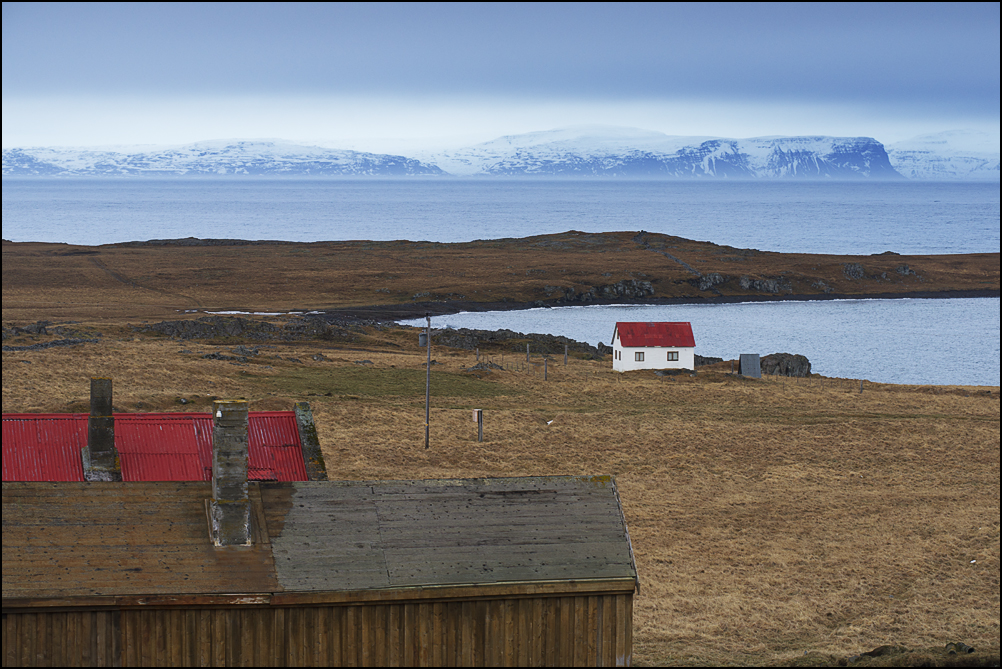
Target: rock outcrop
x=628 y=289
x=225 y=327
x=512 y=341
x=785 y=364
x=774 y=286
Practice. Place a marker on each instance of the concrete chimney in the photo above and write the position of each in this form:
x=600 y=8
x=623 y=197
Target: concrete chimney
x=230 y=507
x=316 y=468
x=100 y=457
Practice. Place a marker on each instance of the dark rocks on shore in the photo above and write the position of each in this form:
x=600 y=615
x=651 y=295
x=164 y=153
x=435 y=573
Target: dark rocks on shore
x=774 y=286
x=822 y=286
x=630 y=289
x=513 y=341
x=785 y=364
x=708 y=281
x=702 y=361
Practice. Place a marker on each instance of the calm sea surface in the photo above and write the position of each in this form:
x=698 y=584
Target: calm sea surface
x=809 y=217
x=908 y=341
x=912 y=341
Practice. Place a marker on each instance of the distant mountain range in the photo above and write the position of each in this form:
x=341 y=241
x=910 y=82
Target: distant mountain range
x=955 y=154
x=595 y=151
x=220 y=157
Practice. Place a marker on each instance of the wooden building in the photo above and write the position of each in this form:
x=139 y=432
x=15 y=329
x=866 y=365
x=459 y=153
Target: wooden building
x=490 y=572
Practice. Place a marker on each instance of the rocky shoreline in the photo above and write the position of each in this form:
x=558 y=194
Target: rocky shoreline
x=405 y=311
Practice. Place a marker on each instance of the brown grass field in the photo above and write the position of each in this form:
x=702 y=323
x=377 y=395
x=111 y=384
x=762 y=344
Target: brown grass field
x=59 y=281
x=770 y=518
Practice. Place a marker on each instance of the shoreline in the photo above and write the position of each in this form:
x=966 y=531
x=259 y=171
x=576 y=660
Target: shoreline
x=398 y=312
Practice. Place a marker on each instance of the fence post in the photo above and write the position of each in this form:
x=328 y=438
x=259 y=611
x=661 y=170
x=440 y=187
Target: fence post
x=527 y=352
x=545 y=360
x=861 y=386
x=565 y=355
x=478 y=414
x=427 y=384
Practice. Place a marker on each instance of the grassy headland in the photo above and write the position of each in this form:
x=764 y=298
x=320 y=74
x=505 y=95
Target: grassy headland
x=396 y=279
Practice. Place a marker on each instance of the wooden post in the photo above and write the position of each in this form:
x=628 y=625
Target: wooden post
x=427 y=384
x=478 y=355
x=565 y=355
x=527 y=352
x=861 y=386
x=479 y=415
x=545 y=360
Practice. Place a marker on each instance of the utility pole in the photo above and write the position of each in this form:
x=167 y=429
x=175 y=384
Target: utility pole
x=427 y=382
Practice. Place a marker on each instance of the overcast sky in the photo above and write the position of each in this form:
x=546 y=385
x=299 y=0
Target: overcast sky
x=368 y=76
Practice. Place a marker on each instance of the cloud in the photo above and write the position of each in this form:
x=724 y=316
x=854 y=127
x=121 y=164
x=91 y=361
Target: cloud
x=94 y=71
x=942 y=54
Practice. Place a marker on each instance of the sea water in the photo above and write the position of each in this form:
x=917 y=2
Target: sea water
x=807 y=217
x=914 y=341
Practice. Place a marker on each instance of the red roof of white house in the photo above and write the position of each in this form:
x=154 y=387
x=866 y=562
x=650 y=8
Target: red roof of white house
x=654 y=334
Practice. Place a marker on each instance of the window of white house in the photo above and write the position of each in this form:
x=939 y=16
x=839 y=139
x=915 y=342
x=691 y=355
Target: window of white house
x=638 y=356
x=673 y=356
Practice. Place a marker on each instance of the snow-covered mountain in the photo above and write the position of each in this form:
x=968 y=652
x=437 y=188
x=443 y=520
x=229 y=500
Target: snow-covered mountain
x=630 y=152
x=601 y=151
x=955 y=154
x=220 y=157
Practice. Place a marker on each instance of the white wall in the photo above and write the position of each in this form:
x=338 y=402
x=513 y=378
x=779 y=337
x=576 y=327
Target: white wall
x=623 y=358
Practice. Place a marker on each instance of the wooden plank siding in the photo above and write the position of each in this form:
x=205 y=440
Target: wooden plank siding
x=586 y=630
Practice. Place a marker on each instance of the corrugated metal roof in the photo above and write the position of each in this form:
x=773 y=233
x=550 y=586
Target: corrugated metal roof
x=654 y=334
x=151 y=446
x=43 y=447
x=119 y=539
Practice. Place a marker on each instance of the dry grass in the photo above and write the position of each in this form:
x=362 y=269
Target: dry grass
x=769 y=518
x=58 y=281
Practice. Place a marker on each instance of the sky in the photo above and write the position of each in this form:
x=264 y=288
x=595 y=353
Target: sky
x=420 y=76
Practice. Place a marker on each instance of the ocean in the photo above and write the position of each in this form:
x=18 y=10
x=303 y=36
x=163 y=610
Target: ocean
x=914 y=341
x=905 y=341
x=808 y=217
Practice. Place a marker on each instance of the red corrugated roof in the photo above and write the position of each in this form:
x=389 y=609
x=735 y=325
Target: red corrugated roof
x=43 y=447
x=151 y=446
x=654 y=334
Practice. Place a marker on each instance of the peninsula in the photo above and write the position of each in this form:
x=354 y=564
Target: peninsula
x=401 y=279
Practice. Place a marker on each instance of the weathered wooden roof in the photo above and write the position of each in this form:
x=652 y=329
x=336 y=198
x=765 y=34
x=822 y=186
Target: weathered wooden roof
x=69 y=539
x=132 y=539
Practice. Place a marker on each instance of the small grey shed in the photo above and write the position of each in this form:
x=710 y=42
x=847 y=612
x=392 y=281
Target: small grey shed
x=750 y=365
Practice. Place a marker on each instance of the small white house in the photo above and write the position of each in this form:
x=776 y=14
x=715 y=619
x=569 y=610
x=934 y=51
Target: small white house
x=653 y=346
